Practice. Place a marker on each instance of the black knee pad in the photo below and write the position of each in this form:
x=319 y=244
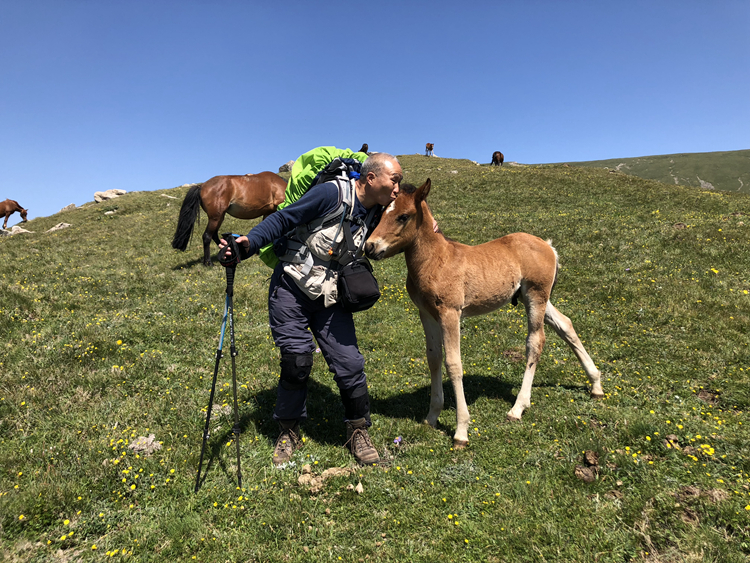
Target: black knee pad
x=356 y=403
x=295 y=370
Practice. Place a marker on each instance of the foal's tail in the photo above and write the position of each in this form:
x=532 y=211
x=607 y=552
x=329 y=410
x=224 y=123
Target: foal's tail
x=189 y=213
x=557 y=264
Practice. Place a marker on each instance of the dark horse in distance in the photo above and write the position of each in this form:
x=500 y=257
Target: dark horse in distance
x=497 y=158
x=8 y=208
x=243 y=197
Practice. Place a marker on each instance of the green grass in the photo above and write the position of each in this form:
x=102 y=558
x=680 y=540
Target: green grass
x=109 y=335
x=726 y=171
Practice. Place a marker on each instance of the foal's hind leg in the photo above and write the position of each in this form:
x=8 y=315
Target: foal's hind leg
x=564 y=328
x=534 y=345
x=434 y=345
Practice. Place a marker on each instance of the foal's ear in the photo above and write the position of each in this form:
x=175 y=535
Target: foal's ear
x=422 y=191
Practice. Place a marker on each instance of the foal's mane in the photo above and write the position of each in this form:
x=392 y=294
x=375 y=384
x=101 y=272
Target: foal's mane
x=409 y=189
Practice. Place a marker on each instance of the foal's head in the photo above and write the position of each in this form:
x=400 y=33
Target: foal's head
x=23 y=215
x=399 y=224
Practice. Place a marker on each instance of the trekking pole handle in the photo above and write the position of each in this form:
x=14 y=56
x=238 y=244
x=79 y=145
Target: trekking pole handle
x=235 y=256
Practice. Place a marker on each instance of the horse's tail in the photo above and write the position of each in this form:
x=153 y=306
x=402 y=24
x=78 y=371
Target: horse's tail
x=189 y=213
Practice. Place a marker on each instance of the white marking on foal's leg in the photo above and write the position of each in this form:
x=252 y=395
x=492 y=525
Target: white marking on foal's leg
x=564 y=328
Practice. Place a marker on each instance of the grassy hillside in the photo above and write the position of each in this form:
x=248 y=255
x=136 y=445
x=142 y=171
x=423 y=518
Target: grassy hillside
x=727 y=171
x=110 y=335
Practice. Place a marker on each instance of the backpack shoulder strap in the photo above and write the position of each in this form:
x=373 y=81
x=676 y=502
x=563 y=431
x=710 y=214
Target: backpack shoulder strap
x=345 y=205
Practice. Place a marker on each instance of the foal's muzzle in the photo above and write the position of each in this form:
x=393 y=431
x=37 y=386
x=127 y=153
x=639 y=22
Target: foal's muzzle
x=374 y=250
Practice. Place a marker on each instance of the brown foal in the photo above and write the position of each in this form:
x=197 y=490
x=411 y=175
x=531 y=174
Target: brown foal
x=448 y=280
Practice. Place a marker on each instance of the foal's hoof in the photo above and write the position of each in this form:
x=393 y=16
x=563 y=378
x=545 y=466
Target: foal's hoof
x=511 y=418
x=460 y=444
x=597 y=396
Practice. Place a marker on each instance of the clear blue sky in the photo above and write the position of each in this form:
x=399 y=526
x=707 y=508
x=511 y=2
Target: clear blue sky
x=146 y=95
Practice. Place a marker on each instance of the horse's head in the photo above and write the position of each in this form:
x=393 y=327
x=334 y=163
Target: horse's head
x=23 y=215
x=399 y=224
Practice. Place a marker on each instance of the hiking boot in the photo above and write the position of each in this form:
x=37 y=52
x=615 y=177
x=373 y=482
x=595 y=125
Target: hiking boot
x=359 y=442
x=288 y=441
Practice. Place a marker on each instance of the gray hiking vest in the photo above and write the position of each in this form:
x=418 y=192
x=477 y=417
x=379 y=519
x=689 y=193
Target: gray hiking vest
x=315 y=251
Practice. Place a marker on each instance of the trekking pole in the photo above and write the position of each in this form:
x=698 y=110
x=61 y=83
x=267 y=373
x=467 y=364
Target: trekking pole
x=228 y=314
x=233 y=354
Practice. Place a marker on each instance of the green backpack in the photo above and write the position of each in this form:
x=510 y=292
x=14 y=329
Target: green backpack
x=304 y=172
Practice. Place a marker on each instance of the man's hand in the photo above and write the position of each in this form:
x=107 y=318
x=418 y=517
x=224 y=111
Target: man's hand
x=240 y=240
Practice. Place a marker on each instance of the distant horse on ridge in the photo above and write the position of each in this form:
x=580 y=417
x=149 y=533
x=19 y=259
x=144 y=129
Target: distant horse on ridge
x=8 y=208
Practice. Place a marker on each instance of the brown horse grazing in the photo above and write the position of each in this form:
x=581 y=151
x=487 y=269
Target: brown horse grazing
x=497 y=158
x=448 y=280
x=428 y=149
x=243 y=197
x=9 y=207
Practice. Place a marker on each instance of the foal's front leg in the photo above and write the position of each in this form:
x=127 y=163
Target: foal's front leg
x=450 y=323
x=434 y=344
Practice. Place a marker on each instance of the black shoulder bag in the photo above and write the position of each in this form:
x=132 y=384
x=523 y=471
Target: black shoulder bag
x=358 y=288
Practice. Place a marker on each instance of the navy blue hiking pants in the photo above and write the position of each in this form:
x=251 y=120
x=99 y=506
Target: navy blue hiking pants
x=291 y=313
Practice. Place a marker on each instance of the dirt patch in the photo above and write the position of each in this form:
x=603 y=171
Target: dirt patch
x=687 y=492
x=513 y=355
x=689 y=516
x=145 y=446
x=316 y=482
x=708 y=397
x=715 y=495
x=217 y=411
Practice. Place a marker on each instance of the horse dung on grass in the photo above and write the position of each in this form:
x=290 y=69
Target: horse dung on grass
x=448 y=280
x=243 y=197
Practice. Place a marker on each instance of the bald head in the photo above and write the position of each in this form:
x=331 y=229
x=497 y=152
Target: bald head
x=377 y=162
